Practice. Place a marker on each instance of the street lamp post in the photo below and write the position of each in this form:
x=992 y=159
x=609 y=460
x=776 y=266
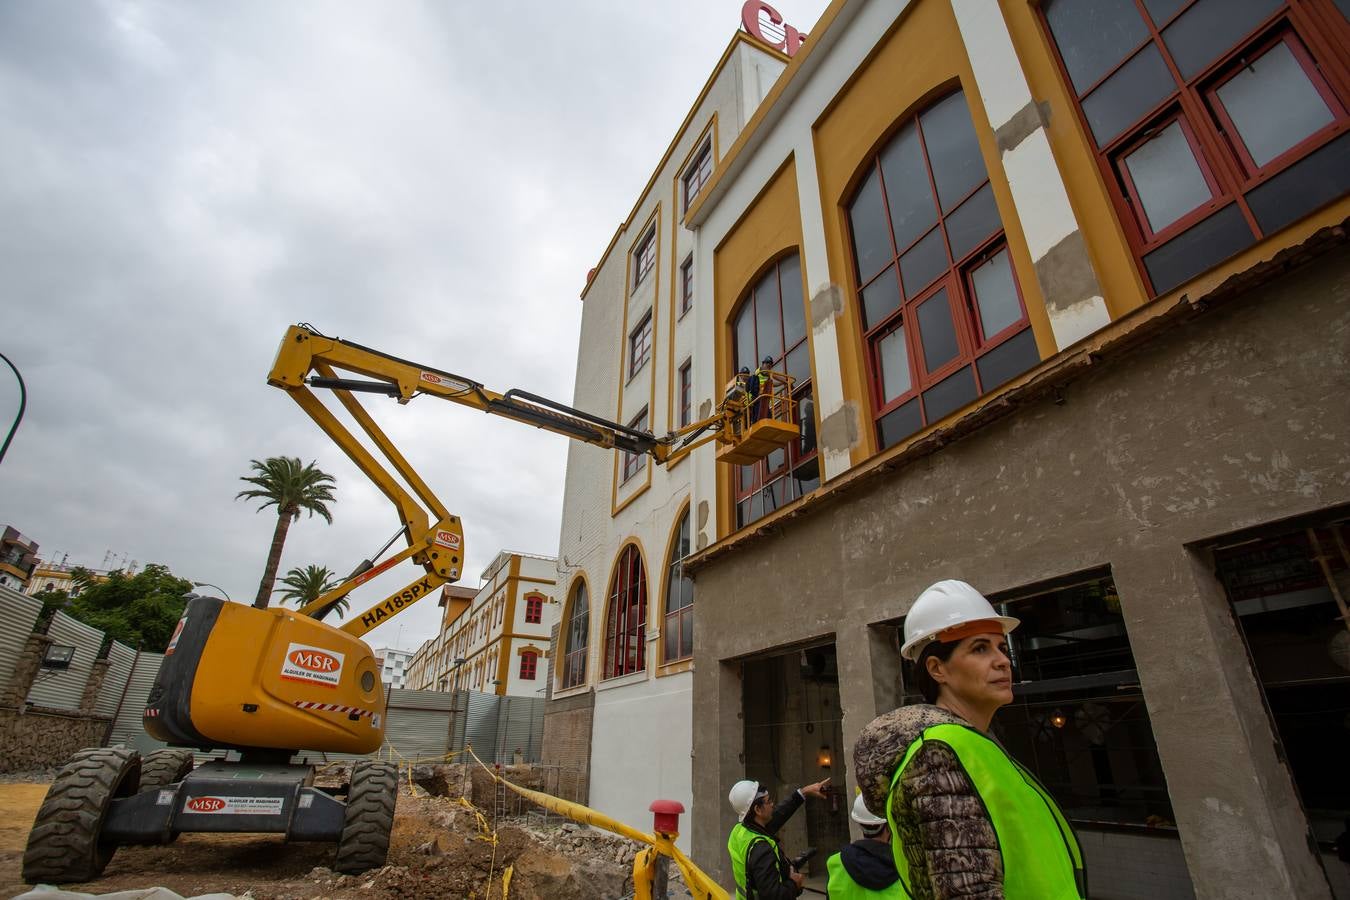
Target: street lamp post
x=210 y=585
x=23 y=402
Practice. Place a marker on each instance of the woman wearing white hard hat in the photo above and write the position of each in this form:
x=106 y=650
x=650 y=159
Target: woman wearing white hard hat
x=864 y=869
x=966 y=819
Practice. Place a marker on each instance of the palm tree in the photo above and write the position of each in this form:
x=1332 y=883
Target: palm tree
x=282 y=482
x=302 y=586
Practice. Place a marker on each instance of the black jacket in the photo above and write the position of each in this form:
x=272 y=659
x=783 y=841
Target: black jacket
x=870 y=864
x=766 y=877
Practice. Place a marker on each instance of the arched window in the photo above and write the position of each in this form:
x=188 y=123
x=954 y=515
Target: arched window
x=678 y=630
x=941 y=311
x=626 y=621
x=771 y=321
x=578 y=632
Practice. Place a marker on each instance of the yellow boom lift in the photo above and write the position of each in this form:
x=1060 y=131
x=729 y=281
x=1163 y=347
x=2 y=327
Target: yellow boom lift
x=268 y=683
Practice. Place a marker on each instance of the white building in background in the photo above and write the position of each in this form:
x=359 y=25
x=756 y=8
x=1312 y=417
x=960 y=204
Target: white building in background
x=393 y=666
x=621 y=706
x=494 y=640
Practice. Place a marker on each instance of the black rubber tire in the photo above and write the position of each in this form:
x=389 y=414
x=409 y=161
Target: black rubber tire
x=64 y=845
x=364 y=844
x=162 y=768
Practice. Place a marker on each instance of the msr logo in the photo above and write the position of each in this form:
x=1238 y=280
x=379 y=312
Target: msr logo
x=205 y=804
x=314 y=660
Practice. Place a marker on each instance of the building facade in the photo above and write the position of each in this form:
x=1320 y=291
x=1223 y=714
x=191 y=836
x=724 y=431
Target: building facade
x=18 y=559
x=393 y=666
x=1065 y=292
x=622 y=701
x=497 y=640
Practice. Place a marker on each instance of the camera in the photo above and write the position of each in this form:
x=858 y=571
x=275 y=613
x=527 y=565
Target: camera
x=801 y=860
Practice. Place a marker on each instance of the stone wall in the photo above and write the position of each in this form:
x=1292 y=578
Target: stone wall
x=567 y=744
x=45 y=738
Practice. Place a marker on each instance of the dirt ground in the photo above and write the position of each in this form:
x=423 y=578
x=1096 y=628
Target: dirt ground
x=436 y=850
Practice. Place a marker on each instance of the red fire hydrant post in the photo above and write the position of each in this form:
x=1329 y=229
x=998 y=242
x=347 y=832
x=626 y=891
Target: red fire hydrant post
x=666 y=825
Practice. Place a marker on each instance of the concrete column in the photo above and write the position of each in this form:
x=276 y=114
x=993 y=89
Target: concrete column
x=869 y=685
x=1242 y=828
x=26 y=668
x=97 y=673
x=1073 y=296
x=719 y=762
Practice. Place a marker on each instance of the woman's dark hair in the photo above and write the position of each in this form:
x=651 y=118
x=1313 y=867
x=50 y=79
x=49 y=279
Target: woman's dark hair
x=943 y=650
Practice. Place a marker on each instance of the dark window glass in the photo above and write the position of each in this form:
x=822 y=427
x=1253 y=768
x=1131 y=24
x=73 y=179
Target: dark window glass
x=972 y=222
x=626 y=623
x=871 y=239
x=794 y=310
x=880 y=299
x=632 y=462
x=924 y=262
x=949 y=395
x=768 y=320
x=1162 y=10
x=644 y=258
x=1303 y=187
x=1008 y=360
x=799 y=364
x=953 y=152
x=807 y=476
x=1094 y=35
x=1208 y=29
x=679 y=598
x=700 y=170
x=640 y=345
x=938 y=335
x=1344 y=7
x=686 y=394
x=745 y=337
x=1198 y=248
x=578 y=634
x=1137 y=87
x=899 y=423
x=687 y=284
x=908 y=192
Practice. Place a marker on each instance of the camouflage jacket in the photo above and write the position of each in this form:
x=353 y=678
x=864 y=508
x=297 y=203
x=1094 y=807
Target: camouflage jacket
x=947 y=838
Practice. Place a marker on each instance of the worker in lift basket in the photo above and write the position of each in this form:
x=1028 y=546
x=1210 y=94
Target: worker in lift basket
x=966 y=819
x=762 y=870
x=864 y=869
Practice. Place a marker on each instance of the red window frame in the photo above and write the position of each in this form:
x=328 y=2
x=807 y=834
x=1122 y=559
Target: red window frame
x=644 y=257
x=1313 y=29
x=698 y=173
x=577 y=638
x=675 y=618
x=687 y=284
x=632 y=462
x=761 y=477
x=529 y=663
x=626 y=618
x=970 y=343
x=1215 y=202
x=686 y=382
x=640 y=344
x=534 y=610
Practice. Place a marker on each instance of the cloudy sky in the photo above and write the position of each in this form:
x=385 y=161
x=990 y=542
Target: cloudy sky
x=182 y=180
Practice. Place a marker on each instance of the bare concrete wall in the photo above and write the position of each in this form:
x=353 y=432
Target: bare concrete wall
x=1234 y=419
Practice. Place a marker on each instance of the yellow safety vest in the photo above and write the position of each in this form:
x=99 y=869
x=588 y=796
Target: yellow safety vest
x=841 y=885
x=738 y=845
x=1041 y=857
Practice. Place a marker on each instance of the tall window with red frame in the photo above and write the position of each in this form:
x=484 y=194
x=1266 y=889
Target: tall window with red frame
x=626 y=621
x=771 y=322
x=1216 y=122
x=687 y=284
x=678 y=631
x=528 y=664
x=640 y=344
x=686 y=389
x=644 y=256
x=534 y=609
x=577 y=635
x=942 y=315
x=698 y=173
x=632 y=462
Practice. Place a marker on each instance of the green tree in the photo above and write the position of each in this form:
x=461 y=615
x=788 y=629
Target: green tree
x=302 y=586
x=140 y=610
x=282 y=482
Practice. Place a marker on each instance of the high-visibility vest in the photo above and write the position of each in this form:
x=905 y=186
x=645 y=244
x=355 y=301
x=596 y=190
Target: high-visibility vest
x=738 y=845
x=842 y=886
x=1041 y=857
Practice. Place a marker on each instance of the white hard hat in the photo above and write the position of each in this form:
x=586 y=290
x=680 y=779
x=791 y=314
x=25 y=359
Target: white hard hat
x=742 y=796
x=947 y=604
x=863 y=816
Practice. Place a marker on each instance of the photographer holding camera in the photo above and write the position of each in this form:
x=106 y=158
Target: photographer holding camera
x=761 y=869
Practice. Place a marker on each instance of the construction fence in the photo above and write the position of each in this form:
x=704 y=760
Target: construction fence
x=108 y=680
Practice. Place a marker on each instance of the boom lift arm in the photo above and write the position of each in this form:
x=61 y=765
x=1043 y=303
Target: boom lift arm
x=746 y=428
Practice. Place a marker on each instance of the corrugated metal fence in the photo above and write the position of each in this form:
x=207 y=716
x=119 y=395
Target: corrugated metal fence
x=418 y=724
